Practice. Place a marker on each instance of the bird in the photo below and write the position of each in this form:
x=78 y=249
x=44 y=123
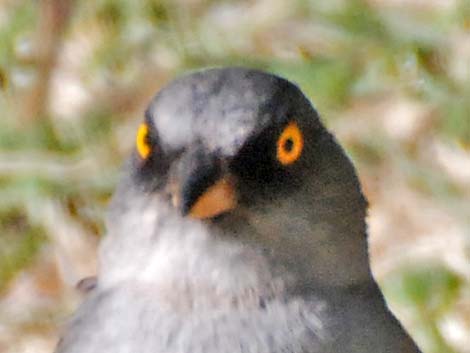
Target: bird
x=239 y=225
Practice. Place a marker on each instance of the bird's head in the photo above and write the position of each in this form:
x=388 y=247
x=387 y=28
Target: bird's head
x=245 y=151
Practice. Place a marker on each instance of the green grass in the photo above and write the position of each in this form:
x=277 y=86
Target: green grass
x=371 y=52
x=428 y=290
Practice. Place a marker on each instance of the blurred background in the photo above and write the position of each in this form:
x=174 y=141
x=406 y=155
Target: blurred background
x=391 y=78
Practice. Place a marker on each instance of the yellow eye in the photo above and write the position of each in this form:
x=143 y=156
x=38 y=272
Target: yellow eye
x=142 y=141
x=290 y=144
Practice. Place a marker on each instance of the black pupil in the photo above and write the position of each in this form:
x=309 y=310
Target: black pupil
x=147 y=141
x=289 y=145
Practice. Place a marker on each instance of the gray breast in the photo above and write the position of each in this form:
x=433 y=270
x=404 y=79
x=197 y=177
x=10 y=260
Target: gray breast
x=129 y=320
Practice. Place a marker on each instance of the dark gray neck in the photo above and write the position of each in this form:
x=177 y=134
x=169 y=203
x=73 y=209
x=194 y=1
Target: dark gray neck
x=363 y=323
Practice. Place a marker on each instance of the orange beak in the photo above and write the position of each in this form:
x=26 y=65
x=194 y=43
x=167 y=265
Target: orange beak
x=217 y=199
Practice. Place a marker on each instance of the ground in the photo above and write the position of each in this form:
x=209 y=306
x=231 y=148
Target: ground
x=391 y=78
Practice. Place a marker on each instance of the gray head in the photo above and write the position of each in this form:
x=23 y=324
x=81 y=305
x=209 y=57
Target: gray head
x=245 y=151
